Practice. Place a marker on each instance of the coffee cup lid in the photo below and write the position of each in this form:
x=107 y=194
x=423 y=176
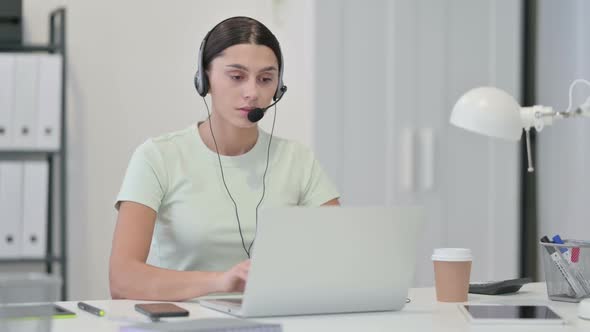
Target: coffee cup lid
x=452 y=255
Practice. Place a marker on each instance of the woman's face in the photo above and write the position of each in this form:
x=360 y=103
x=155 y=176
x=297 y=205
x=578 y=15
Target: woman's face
x=243 y=77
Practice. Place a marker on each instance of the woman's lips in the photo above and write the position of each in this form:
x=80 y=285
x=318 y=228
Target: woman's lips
x=245 y=111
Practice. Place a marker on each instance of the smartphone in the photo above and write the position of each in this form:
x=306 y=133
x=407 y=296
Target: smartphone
x=158 y=310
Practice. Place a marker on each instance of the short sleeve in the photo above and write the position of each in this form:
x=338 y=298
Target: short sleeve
x=317 y=188
x=145 y=179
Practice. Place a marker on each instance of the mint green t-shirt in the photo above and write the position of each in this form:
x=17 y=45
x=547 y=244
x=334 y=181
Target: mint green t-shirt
x=179 y=177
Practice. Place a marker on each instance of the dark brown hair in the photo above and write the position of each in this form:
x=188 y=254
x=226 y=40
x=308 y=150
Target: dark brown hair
x=238 y=30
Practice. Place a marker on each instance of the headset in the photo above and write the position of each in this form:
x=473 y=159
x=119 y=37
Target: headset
x=201 y=82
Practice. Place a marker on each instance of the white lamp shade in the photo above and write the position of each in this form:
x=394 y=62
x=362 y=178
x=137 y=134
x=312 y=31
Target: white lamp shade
x=488 y=111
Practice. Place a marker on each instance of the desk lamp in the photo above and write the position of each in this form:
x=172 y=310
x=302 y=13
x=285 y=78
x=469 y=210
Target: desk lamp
x=493 y=112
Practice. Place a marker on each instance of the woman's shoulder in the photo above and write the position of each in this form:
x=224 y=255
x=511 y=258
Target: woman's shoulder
x=164 y=141
x=173 y=137
x=162 y=145
x=290 y=147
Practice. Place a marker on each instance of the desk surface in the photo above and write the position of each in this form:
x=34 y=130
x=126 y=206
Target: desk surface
x=422 y=314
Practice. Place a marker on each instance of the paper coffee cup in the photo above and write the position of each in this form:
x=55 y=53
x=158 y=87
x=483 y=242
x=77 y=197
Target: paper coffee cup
x=452 y=268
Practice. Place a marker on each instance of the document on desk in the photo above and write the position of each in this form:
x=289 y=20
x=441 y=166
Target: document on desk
x=205 y=324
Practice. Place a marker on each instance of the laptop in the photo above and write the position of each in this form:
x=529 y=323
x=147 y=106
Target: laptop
x=328 y=260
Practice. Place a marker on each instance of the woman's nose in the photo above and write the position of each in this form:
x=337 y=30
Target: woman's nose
x=250 y=90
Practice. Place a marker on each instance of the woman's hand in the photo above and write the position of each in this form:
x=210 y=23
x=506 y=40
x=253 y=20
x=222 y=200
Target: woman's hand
x=234 y=280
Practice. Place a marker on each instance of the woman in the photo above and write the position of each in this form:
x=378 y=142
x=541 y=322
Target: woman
x=188 y=205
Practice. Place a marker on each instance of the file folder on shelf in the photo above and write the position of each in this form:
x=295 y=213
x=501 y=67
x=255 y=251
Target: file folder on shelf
x=7 y=76
x=31 y=126
x=49 y=110
x=35 y=191
x=11 y=196
x=26 y=101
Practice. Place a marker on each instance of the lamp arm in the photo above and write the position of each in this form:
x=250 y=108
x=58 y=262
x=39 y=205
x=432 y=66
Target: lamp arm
x=536 y=116
x=540 y=116
x=582 y=110
x=530 y=169
x=571 y=91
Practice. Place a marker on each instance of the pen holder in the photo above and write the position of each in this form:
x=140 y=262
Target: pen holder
x=567 y=270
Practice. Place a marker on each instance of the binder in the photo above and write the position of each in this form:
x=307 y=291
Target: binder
x=49 y=110
x=11 y=207
x=25 y=103
x=7 y=76
x=35 y=191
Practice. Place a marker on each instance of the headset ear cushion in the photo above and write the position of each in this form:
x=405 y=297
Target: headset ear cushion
x=204 y=84
x=281 y=88
x=197 y=83
x=201 y=84
x=280 y=91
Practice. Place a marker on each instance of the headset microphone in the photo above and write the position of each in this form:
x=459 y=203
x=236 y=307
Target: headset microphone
x=258 y=113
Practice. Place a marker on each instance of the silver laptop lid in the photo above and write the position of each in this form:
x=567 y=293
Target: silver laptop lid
x=331 y=259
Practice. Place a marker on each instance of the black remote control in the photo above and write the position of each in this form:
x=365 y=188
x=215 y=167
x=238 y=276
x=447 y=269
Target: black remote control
x=498 y=287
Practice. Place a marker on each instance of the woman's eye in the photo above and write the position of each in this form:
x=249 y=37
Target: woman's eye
x=266 y=80
x=236 y=77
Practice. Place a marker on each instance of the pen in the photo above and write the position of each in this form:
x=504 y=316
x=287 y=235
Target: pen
x=93 y=310
x=574 y=268
x=578 y=291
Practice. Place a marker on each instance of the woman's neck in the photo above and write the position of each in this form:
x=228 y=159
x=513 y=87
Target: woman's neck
x=231 y=140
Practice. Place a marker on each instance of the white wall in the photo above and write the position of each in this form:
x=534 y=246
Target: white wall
x=563 y=52
x=131 y=65
x=389 y=73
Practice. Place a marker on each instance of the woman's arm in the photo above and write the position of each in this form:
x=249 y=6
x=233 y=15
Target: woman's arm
x=332 y=202
x=130 y=277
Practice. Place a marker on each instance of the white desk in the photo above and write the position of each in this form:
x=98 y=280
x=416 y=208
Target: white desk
x=422 y=314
